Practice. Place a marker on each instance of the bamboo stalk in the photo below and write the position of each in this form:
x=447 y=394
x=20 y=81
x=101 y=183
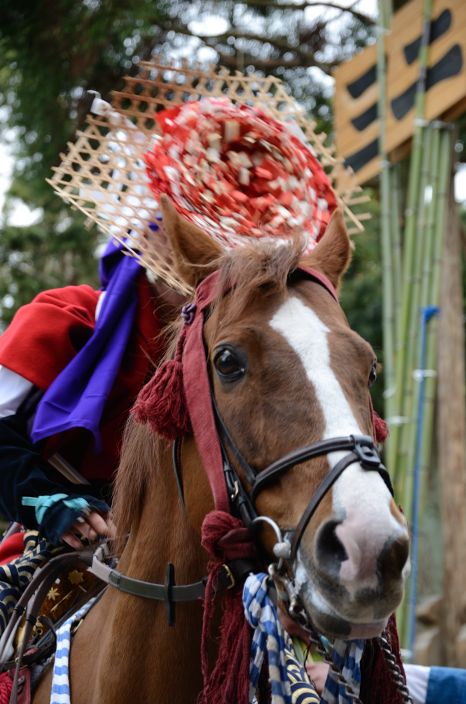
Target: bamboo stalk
x=440 y=201
x=406 y=448
x=396 y=420
x=395 y=193
x=388 y=272
x=420 y=455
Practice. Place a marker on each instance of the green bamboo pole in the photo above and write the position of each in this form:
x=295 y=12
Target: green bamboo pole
x=440 y=201
x=395 y=206
x=407 y=438
x=396 y=420
x=430 y=292
x=388 y=283
x=407 y=441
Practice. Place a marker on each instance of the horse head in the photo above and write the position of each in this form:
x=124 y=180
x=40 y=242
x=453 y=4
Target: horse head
x=290 y=383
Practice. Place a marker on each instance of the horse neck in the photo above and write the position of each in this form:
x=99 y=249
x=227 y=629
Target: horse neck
x=167 y=531
x=163 y=659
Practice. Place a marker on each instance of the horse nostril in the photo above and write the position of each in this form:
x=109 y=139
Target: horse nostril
x=394 y=557
x=330 y=551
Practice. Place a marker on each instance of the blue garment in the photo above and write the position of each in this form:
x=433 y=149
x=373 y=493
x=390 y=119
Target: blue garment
x=446 y=685
x=77 y=397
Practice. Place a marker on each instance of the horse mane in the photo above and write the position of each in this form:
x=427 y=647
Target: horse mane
x=263 y=266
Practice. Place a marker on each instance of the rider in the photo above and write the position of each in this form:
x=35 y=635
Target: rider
x=71 y=364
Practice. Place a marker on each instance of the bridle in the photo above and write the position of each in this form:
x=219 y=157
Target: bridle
x=358 y=448
x=240 y=492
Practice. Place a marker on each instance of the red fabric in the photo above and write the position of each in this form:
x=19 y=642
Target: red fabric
x=258 y=178
x=44 y=337
x=225 y=538
x=379 y=426
x=11 y=548
x=142 y=354
x=45 y=334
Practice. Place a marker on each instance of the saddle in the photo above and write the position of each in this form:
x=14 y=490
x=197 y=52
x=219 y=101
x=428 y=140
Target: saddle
x=39 y=589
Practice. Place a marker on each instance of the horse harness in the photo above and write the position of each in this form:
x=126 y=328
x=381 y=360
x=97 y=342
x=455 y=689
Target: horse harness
x=358 y=448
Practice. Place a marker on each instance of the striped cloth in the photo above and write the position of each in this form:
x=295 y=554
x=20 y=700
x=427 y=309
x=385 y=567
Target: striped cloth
x=346 y=656
x=302 y=692
x=288 y=680
x=16 y=575
x=60 y=680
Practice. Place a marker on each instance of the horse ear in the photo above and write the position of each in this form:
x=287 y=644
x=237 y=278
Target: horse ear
x=333 y=253
x=195 y=253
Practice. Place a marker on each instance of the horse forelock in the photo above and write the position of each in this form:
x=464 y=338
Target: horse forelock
x=260 y=266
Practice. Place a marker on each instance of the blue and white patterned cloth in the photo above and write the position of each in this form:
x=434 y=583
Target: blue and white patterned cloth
x=261 y=614
x=61 y=693
x=269 y=637
x=346 y=655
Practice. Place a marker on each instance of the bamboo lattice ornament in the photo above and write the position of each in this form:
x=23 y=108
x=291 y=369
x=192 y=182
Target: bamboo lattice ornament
x=104 y=173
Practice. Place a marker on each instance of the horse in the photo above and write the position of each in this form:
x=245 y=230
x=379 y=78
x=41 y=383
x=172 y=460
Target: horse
x=286 y=371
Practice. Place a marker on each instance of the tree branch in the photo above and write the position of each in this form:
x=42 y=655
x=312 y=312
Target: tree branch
x=284 y=5
x=300 y=56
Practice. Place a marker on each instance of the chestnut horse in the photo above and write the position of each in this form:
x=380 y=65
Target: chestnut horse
x=286 y=372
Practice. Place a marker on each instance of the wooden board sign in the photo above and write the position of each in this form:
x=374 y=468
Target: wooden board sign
x=356 y=89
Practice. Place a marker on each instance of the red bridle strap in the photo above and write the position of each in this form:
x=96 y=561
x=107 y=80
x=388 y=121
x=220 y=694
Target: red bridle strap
x=197 y=385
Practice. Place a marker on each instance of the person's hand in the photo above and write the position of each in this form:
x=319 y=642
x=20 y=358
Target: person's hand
x=89 y=526
x=318 y=672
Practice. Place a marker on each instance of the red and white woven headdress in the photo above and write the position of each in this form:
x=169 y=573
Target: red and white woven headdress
x=235 y=153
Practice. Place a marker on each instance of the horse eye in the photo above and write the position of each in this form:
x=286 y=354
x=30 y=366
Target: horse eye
x=229 y=364
x=373 y=372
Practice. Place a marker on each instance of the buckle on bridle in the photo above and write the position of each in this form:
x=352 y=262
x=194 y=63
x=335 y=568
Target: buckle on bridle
x=366 y=451
x=229 y=575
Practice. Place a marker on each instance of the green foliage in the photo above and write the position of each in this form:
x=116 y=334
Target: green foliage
x=361 y=294
x=39 y=257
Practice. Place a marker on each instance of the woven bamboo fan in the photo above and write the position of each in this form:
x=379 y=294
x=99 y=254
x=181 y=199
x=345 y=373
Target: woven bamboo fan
x=104 y=172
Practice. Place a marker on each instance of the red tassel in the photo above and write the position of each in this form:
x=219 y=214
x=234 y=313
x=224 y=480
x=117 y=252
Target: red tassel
x=377 y=683
x=225 y=538
x=6 y=685
x=162 y=403
x=380 y=427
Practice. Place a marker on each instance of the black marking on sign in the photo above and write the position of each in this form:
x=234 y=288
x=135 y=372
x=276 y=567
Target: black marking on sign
x=365 y=118
x=356 y=88
x=448 y=66
x=363 y=156
x=437 y=27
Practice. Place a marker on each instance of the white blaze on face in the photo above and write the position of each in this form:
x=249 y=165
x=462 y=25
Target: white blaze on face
x=359 y=496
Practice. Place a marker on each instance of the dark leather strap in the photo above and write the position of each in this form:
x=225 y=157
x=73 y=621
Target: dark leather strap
x=302 y=454
x=157 y=592
x=225 y=435
x=322 y=489
x=177 y=468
